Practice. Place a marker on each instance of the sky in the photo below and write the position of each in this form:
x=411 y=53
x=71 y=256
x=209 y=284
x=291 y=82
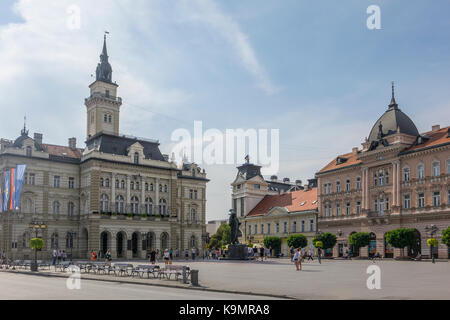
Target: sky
x=311 y=69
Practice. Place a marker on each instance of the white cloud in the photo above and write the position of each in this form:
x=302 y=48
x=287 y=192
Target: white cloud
x=208 y=12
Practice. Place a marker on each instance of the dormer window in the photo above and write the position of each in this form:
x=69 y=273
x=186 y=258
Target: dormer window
x=136 y=158
x=28 y=151
x=107 y=93
x=340 y=160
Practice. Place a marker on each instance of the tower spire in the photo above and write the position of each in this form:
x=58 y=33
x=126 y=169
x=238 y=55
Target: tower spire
x=104 y=70
x=393 y=104
x=24 y=131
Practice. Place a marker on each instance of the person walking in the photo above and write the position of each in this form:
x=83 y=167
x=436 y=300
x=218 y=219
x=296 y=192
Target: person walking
x=54 y=256
x=310 y=256
x=108 y=258
x=166 y=256
x=186 y=254
x=193 y=253
x=64 y=255
x=59 y=256
x=296 y=259
x=171 y=254
x=270 y=252
x=319 y=254
x=93 y=255
x=153 y=256
x=261 y=253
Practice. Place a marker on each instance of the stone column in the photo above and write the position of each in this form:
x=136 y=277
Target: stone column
x=113 y=247
x=128 y=197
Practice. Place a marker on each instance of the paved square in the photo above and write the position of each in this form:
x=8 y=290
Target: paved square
x=333 y=279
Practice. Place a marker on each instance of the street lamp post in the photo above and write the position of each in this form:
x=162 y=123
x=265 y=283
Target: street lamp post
x=36 y=226
x=319 y=251
x=431 y=230
x=73 y=234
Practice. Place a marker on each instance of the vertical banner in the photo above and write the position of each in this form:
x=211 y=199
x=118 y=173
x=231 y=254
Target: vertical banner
x=20 y=174
x=12 y=190
x=6 y=185
x=1 y=193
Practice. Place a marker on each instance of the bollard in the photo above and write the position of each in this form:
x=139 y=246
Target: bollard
x=194 y=277
x=184 y=275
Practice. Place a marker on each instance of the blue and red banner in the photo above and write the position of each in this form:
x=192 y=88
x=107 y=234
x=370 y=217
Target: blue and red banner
x=20 y=174
x=13 y=189
x=6 y=186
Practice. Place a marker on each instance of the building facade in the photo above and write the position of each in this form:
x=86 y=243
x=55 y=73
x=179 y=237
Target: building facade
x=272 y=207
x=119 y=193
x=399 y=179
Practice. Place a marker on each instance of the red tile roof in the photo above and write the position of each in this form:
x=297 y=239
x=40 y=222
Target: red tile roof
x=62 y=151
x=351 y=160
x=438 y=137
x=292 y=201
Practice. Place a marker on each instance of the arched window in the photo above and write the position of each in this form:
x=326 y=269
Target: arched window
x=54 y=241
x=122 y=184
x=193 y=217
x=136 y=158
x=421 y=171
x=151 y=186
x=70 y=209
x=119 y=204
x=381 y=177
x=28 y=151
x=436 y=169
x=117 y=183
x=162 y=207
x=146 y=186
x=338 y=186
x=26 y=240
x=107 y=182
x=69 y=240
x=386 y=177
x=104 y=203
x=137 y=185
x=101 y=182
x=56 y=207
x=134 y=205
x=406 y=174
x=148 y=206
x=347 y=185
x=132 y=185
x=358 y=183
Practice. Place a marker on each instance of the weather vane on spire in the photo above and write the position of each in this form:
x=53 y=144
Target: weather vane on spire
x=393 y=103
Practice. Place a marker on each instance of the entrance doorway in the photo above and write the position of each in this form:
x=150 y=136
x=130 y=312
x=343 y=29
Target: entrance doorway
x=134 y=244
x=340 y=249
x=120 y=245
x=104 y=242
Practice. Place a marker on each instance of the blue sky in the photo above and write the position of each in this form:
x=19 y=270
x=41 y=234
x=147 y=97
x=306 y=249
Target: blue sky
x=311 y=69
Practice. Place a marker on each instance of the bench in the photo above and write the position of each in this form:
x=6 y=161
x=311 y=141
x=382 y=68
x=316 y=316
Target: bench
x=145 y=268
x=123 y=269
x=175 y=270
x=62 y=266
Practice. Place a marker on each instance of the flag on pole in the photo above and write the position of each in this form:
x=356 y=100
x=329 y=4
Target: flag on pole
x=13 y=188
x=20 y=173
x=6 y=177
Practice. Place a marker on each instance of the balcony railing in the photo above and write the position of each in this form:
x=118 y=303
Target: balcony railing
x=114 y=208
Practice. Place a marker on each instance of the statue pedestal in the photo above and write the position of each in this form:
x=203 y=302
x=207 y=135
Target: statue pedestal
x=237 y=252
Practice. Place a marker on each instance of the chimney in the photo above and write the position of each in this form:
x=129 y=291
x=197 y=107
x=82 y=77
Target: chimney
x=73 y=143
x=273 y=178
x=355 y=150
x=38 y=137
x=286 y=180
x=298 y=182
x=436 y=127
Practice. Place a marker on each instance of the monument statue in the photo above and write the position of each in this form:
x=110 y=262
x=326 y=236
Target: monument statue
x=234 y=223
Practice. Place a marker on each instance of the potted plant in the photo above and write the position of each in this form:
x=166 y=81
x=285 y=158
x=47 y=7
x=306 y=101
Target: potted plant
x=114 y=215
x=129 y=216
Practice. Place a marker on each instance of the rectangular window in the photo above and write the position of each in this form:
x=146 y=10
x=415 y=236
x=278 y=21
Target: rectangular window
x=249 y=229
x=406 y=201
x=421 y=200
x=303 y=225
x=347 y=208
x=387 y=203
x=311 y=225
x=195 y=194
x=338 y=186
x=262 y=228
x=242 y=207
x=358 y=183
x=191 y=194
x=381 y=179
x=381 y=207
x=294 y=226
x=375 y=180
x=406 y=174
x=338 y=209
x=347 y=185
x=256 y=186
x=268 y=228
x=256 y=229
x=56 y=180
x=277 y=227
x=285 y=227
x=436 y=198
x=71 y=182
x=375 y=205
x=358 y=207
x=386 y=177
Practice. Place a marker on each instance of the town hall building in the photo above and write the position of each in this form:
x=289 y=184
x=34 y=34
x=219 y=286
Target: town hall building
x=118 y=193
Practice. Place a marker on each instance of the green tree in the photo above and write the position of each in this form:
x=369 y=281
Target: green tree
x=297 y=241
x=328 y=240
x=359 y=239
x=446 y=237
x=274 y=242
x=400 y=238
x=36 y=243
x=221 y=237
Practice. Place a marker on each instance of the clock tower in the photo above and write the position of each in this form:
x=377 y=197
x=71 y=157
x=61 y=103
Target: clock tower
x=103 y=105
